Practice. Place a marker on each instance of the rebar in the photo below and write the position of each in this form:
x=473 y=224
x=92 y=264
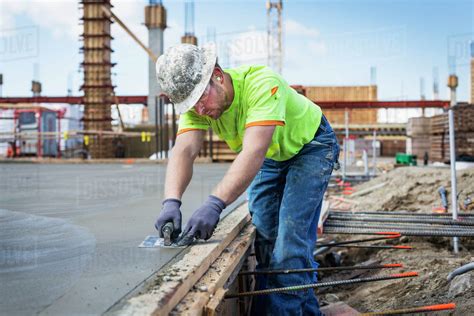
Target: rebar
x=332 y=244
x=323 y=284
x=289 y=271
x=413 y=310
x=395 y=226
x=404 y=231
x=385 y=213
x=439 y=221
x=375 y=247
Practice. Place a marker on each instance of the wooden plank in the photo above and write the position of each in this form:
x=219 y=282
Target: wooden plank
x=218 y=274
x=173 y=282
x=212 y=308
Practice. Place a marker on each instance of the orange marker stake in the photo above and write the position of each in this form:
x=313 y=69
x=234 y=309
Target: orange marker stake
x=393 y=265
x=413 y=310
x=403 y=247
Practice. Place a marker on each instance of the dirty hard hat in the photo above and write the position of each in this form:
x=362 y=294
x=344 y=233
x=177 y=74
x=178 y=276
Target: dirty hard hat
x=183 y=73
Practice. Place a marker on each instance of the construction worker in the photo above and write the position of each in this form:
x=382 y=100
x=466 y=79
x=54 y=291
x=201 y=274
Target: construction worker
x=286 y=153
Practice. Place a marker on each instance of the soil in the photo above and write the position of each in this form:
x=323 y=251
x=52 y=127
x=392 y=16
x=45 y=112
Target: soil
x=407 y=189
x=413 y=189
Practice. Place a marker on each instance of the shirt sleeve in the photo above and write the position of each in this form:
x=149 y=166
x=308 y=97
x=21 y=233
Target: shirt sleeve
x=190 y=121
x=266 y=103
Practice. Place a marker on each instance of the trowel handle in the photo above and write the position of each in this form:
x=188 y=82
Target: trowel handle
x=167 y=229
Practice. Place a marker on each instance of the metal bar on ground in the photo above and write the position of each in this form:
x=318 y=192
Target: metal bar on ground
x=385 y=213
x=323 y=284
x=332 y=244
x=374 y=246
x=288 y=271
x=406 y=232
x=441 y=221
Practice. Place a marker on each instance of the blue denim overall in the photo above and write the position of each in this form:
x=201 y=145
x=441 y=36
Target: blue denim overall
x=285 y=202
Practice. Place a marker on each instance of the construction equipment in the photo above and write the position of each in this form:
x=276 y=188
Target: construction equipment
x=405 y=159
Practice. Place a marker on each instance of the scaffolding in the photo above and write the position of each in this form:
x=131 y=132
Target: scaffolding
x=97 y=65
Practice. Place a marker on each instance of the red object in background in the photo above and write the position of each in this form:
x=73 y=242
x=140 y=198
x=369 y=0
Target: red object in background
x=38 y=115
x=142 y=99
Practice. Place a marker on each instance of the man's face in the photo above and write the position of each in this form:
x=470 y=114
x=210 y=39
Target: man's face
x=212 y=101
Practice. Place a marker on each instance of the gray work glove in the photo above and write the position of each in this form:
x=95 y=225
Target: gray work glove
x=204 y=220
x=170 y=213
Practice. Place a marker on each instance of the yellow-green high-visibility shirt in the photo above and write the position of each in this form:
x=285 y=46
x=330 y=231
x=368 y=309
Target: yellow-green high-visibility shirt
x=261 y=97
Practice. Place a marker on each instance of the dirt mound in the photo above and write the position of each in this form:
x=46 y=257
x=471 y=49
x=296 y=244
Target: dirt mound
x=413 y=189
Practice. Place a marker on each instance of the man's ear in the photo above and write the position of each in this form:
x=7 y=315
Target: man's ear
x=218 y=75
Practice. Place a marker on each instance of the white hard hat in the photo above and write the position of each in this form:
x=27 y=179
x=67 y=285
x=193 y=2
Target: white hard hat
x=183 y=73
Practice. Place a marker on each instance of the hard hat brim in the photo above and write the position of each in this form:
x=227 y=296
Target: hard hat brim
x=210 y=57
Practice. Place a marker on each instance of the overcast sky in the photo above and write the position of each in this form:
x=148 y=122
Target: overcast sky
x=325 y=42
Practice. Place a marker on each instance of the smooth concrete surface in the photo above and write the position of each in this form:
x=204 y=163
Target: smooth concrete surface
x=69 y=234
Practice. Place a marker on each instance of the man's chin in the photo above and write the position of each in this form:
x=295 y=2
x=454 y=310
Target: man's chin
x=215 y=116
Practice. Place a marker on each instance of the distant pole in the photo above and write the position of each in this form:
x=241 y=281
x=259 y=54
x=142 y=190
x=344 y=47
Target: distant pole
x=452 y=84
x=344 y=143
x=374 y=153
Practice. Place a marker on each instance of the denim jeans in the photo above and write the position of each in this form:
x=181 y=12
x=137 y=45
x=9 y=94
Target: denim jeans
x=285 y=202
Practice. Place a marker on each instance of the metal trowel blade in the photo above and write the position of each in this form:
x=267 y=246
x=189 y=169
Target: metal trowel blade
x=155 y=241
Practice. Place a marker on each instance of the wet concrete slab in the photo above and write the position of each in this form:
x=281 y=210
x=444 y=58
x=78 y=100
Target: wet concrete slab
x=69 y=233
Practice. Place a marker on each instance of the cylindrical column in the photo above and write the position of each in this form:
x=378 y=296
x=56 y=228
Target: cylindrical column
x=155 y=21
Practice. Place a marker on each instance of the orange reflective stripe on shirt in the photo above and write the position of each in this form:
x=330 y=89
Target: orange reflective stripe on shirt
x=265 y=123
x=188 y=130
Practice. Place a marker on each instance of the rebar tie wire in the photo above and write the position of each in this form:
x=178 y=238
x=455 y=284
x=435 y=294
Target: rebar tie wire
x=413 y=310
x=323 y=284
x=289 y=271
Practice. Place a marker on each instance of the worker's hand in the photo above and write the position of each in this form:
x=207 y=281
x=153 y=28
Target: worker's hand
x=170 y=213
x=204 y=220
